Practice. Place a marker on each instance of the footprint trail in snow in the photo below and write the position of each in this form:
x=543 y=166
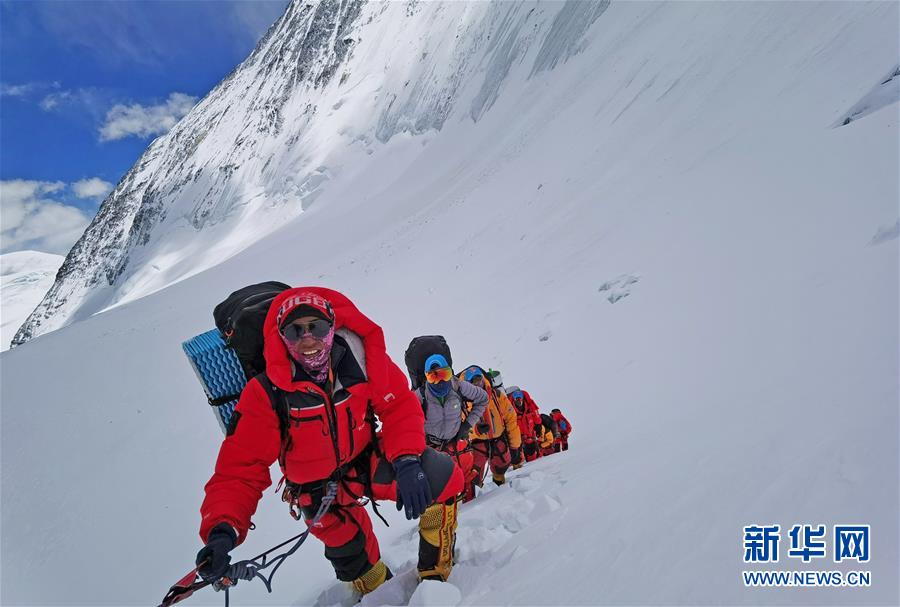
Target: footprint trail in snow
x=486 y=542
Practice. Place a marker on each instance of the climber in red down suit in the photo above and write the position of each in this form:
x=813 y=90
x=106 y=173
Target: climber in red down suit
x=313 y=410
x=529 y=418
x=565 y=428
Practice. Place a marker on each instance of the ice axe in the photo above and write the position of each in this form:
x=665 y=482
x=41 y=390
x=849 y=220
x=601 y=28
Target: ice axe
x=249 y=569
x=185 y=587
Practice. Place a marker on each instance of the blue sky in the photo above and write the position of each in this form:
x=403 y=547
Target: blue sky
x=86 y=85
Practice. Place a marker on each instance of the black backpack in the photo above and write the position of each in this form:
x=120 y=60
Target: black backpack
x=420 y=348
x=550 y=424
x=241 y=317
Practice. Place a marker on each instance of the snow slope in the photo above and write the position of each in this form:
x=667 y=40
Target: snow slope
x=328 y=83
x=663 y=236
x=25 y=277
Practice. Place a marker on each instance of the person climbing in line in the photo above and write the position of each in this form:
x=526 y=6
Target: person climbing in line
x=517 y=458
x=528 y=418
x=447 y=421
x=429 y=362
x=565 y=428
x=495 y=438
x=548 y=433
x=496 y=379
x=327 y=377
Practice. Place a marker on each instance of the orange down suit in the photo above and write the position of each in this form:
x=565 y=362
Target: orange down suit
x=492 y=440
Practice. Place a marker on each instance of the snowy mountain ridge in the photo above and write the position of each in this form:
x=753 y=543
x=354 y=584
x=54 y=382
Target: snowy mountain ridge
x=189 y=178
x=266 y=142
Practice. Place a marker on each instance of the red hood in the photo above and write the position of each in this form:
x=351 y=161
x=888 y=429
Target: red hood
x=530 y=405
x=347 y=316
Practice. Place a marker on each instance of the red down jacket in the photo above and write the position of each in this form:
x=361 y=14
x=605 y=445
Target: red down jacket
x=564 y=425
x=529 y=419
x=324 y=434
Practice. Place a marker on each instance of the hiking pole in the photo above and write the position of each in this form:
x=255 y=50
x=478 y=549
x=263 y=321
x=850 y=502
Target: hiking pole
x=250 y=568
x=487 y=467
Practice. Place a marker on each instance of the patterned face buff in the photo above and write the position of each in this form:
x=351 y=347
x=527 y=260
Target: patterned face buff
x=315 y=365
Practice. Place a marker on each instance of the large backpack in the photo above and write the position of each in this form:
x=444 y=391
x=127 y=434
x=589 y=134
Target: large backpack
x=550 y=424
x=420 y=348
x=486 y=424
x=241 y=317
x=227 y=357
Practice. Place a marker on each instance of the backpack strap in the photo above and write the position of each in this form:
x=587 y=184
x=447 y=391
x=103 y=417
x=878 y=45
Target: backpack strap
x=370 y=419
x=463 y=401
x=421 y=390
x=279 y=402
x=223 y=400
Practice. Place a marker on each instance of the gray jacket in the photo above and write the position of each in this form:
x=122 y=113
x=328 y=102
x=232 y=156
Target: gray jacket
x=442 y=419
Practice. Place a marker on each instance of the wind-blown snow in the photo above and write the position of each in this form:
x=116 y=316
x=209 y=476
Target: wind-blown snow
x=749 y=376
x=25 y=277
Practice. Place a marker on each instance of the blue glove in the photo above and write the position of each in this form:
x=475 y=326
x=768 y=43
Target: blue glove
x=213 y=559
x=413 y=490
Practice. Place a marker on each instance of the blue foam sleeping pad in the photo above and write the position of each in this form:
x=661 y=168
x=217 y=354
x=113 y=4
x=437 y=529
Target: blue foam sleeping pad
x=219 y=371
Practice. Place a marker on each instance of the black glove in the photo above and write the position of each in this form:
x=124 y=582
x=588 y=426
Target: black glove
x=219 y=543
x=463 y=433
x=413 y=490
x=515 y=457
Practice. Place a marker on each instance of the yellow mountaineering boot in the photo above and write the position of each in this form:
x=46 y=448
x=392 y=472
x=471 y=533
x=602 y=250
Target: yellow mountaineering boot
x=498 y=479
x=437 y=534
x=372 y=579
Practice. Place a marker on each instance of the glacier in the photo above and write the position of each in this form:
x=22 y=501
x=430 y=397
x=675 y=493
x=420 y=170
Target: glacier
x=25 y=277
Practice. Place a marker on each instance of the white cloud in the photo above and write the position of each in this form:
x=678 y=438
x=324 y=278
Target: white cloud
x=31 y=219
x=52 y=101
x=82 y=101
x=92 y=188
x=145 y=121
x=26 y=89
x=16 y=90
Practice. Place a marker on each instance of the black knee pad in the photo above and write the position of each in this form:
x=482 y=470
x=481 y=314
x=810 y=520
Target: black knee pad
x=438 y=468
x=350 y=560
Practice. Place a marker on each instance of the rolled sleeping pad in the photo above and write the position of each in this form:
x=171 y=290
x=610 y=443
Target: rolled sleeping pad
x=219 y=371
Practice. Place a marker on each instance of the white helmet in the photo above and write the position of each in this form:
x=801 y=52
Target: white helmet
x=496 y=379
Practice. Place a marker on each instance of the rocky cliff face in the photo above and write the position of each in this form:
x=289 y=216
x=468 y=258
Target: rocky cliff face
x=329 y=83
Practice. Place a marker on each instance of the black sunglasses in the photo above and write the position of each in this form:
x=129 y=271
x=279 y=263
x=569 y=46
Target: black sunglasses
x=318 y=328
